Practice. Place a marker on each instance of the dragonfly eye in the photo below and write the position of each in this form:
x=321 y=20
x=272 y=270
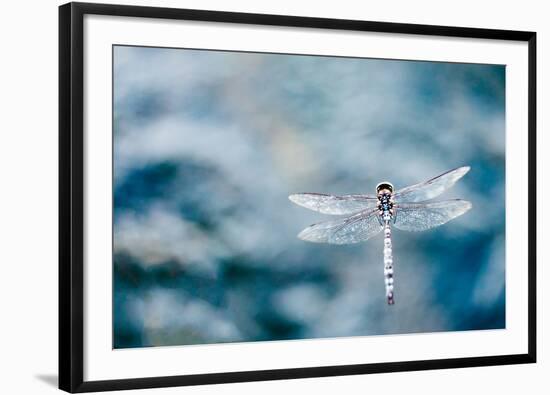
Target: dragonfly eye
x=384 y=186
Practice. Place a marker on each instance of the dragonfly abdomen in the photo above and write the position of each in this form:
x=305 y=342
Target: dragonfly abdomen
x=388 y=263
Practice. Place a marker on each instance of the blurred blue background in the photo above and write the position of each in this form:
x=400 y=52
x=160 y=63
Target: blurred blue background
x=207 y=147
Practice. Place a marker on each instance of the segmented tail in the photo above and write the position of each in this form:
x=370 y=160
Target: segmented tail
x=388 y=263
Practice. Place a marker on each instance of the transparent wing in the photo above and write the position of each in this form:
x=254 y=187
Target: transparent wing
x=354 y=229
x=421 y=216
x=334 y=205
x=431 y=188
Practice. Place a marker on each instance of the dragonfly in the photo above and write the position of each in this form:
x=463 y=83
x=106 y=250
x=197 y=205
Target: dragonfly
x=364 y=216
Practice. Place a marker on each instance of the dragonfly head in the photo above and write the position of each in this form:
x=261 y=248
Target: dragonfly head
x=384 y=187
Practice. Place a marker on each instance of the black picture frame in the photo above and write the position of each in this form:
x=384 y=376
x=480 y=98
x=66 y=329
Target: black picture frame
x=71 y=196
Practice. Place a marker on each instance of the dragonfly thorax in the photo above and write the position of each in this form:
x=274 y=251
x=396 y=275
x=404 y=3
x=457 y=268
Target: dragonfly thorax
x=385 y=204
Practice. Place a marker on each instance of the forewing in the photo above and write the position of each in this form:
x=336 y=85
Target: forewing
x=422 y=216
x=432 y=188
x=354 y=229
x=334 y=205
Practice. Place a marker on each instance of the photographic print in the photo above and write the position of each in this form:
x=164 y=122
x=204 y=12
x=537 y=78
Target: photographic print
x=269 y=197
